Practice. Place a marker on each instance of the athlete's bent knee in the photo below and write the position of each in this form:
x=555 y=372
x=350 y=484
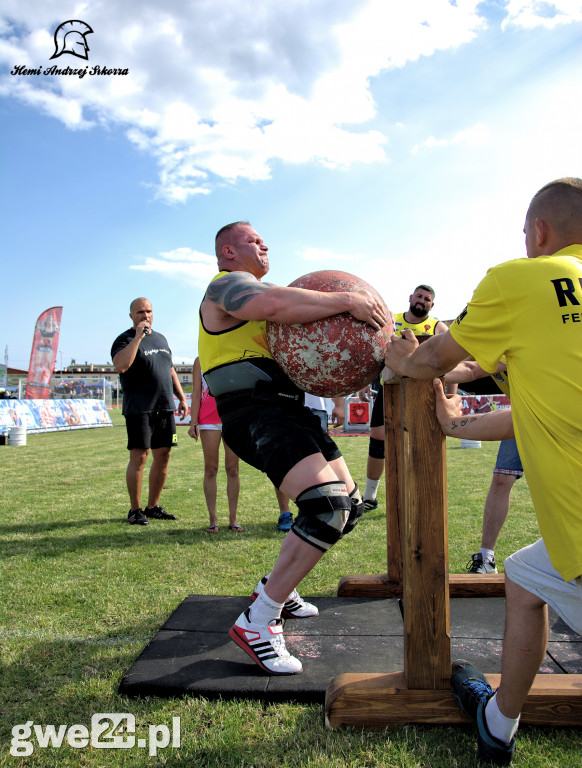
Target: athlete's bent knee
x=324 y=510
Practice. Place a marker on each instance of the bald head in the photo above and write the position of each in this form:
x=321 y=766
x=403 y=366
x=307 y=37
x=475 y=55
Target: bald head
x=137 y=301
x=224 y=235
x=140 y=310
x=559 y=203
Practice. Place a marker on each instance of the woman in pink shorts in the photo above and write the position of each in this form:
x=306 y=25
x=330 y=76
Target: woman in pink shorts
x=206 y=423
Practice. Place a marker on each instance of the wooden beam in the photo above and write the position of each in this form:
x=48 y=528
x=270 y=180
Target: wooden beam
x=460 y=585
x=384 y=700
x=427 y=641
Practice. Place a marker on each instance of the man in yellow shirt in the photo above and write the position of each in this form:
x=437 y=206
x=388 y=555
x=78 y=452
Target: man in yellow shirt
x=530 y=312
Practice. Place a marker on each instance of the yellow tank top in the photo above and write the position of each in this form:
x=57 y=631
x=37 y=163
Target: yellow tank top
x=422 y=328
x=241 y=342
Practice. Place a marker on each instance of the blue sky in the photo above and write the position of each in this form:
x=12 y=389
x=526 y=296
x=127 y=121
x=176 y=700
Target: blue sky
x=401 y=142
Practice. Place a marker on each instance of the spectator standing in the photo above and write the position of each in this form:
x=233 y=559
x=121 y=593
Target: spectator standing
x=206 y=424
x=143 y=359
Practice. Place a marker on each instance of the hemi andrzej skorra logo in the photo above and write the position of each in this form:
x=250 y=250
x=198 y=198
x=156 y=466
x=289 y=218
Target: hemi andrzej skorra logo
x=70 y=37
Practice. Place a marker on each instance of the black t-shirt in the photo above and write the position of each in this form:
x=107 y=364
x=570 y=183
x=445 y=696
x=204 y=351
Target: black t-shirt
x=147 y=383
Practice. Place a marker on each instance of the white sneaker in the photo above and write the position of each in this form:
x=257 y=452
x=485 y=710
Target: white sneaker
x=265 y=644
x=295 y=606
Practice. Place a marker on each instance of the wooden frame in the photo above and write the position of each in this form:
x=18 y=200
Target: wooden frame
x=418 y=570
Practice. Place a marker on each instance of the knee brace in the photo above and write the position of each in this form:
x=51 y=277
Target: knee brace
x=377 y=449
x=324 y=510
x=356 y=510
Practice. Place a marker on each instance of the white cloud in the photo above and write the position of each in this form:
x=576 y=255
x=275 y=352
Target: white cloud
x=183 y=264
x=219 y=94
x=475 y=136
x=545 y=13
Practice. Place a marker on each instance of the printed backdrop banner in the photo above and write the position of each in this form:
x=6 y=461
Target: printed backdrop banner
x=53 y=415
x=45 y=343
x=472 y=404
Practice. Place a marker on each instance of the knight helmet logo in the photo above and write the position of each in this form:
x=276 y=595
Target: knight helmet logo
x=70 y=38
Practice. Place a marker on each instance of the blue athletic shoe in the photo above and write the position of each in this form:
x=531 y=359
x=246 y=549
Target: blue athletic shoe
x=285 y=521
x=472 y=692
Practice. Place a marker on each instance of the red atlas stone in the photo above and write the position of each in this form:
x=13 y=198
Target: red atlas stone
x=334 y=356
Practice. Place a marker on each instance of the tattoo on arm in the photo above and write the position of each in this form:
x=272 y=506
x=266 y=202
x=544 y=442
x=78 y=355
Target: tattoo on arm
x=234 y=290
x=463 y=422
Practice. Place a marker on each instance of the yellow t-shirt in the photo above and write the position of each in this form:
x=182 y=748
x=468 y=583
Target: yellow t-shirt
x=243 y=341
x=530 y=310
x=422 y=328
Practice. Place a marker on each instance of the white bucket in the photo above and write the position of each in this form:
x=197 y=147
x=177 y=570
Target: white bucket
x=470 y=443
x=17 y=436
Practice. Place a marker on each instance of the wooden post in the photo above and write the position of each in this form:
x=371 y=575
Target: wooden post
x=427 y=644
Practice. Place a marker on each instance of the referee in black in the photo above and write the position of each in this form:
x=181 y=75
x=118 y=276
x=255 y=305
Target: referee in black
x=143 y=359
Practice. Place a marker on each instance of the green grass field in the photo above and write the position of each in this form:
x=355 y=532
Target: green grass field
x=82 y=593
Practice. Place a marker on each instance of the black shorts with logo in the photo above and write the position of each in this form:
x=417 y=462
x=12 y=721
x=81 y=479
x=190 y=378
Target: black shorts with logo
x=156 y=429
x=273 y=437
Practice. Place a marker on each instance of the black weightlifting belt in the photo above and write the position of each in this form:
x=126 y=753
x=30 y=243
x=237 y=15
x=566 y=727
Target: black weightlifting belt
x=234 y=377
x=244 y=383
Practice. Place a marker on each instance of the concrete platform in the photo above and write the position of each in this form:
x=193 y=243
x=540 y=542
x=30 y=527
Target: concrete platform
x=192 y=654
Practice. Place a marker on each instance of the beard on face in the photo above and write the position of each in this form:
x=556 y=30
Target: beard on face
x=417 y=311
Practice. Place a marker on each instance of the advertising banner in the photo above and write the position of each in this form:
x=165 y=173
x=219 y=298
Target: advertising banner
x=472 y=404
x=53 y=415
x=45 y=344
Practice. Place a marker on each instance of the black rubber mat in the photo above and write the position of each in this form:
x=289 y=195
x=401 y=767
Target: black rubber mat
x=193 y=655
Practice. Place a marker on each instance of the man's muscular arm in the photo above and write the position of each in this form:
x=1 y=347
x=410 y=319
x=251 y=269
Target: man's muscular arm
x=240 y=295
x=496 y=425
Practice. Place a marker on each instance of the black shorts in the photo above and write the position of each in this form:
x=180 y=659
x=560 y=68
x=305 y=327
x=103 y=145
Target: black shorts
x=156 y=429
x=377 y=419
x=274 y=438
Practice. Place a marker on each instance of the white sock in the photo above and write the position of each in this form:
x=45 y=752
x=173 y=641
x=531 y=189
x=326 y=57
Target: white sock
x=488 y=554
x=264 y=610
x=501 y=727
x=371 y=491
x=268 y=576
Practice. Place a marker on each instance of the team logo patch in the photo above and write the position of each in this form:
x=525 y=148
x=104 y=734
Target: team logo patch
x=461 y=316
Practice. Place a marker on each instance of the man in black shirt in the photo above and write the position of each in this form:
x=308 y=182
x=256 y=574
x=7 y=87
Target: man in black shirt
x=143 y=360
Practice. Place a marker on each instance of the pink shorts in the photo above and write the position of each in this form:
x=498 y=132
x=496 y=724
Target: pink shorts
x=208 y=413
